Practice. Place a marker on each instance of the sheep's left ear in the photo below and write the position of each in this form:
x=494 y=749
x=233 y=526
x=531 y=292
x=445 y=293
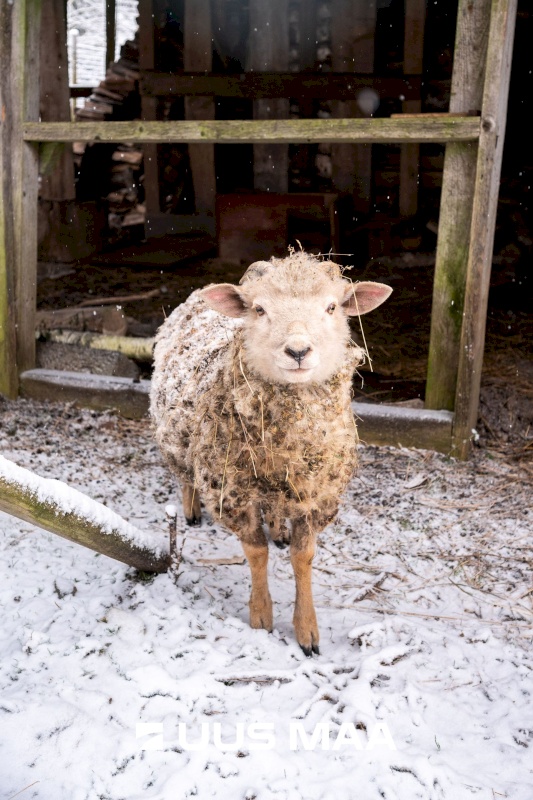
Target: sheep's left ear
x=360 y=298
x=224 y=298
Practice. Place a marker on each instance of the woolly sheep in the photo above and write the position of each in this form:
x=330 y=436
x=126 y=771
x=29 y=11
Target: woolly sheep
x=250 y=403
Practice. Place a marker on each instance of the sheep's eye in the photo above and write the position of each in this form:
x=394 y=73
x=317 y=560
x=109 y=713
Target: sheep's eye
x=260 y=310
x=331 y=308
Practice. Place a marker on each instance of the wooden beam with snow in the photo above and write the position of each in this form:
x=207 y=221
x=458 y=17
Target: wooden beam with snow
x=424 y=128
x=130 y=398
x=58 y=508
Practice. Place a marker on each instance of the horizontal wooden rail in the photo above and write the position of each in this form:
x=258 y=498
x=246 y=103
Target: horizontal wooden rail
x=255 y=85
x=447 y=128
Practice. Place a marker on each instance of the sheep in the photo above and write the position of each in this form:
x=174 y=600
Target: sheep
x=251 y=408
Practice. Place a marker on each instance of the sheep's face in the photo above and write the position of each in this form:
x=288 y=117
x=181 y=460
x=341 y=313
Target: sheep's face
x=295 y=316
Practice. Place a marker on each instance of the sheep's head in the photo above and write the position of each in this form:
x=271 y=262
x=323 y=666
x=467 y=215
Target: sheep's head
x=295 y=315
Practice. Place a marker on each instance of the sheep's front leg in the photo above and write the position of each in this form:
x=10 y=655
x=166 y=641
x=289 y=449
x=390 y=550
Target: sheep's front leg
x=303 y=543
x=191 y=504
x=256 y=551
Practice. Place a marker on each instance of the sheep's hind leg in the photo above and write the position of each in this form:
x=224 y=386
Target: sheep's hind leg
x=256 y=551
x=191 y=504
x=303 y=542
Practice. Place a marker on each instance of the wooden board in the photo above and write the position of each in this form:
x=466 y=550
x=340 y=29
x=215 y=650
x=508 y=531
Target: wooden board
x=413 y=52
x=255 y=226
x=270 y=52
x=441 y=128
x=488 y=168
x=257 y=85
x=457 y=196
x=149 y=106
x=198 y=55
x=353 y=26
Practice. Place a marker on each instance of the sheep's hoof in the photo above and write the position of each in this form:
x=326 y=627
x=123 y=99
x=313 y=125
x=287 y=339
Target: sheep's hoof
x=261 y=613
x=308 y=651
x=281 y=543
x=193 y=521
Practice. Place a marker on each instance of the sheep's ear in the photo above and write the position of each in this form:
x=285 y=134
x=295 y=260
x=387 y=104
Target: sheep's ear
x=224 y=298
x=360 y=298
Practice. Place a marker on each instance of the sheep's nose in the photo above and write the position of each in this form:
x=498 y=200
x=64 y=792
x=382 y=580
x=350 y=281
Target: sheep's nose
x=298 y=355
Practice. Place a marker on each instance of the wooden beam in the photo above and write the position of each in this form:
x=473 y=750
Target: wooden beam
x=457 y=196
x=198 y=55
x=413 y=52
x=130 y=398
x=490 y=150
x=110 y=31
x=63 y=510
x=149 y=107
x=58 y=183
x=8 y=341
x=268 y=51
x=443 y=128
x=19 y=100
x=353 y=24
x=257 y=85
x=404 y=427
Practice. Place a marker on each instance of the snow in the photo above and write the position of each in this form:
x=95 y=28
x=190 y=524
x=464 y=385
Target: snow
x=423 y=594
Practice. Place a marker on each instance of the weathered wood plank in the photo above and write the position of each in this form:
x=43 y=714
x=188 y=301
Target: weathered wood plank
x=353 y=26
x=269 y=50
x=446 y=128
x=413 y=51
x=149 y=107
x=256 y=85
x=130 y=398
x=458 y=182
x=404 y=427
x=41 y=502
x=110 y=31
x=8 y=341
x=198 y=55
x=57 y=183
x=19 y=90
x=490 y=150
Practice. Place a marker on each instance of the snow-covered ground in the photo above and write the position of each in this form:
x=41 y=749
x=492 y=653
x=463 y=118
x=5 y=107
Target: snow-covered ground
x=423 y=593
x=86 y=25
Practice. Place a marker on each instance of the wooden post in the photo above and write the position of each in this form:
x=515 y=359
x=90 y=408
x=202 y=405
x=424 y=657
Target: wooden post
x=413 y=52
x=352 y=34
x=110 y=31
x=198 y=57
x=490 y=149
x=269 y=50
x=58 y=184
x=149 y=107
x=19 y=101
x=455 y=217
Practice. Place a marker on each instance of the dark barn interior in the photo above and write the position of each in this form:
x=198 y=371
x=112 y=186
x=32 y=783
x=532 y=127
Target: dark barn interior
x=127 y=230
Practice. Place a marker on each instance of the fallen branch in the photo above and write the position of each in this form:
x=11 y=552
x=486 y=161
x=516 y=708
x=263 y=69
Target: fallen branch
x=124 y=298
x=60 y=509
x=132 y=346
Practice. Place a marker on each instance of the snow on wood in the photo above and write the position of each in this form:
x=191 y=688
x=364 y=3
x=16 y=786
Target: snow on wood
x=56 y=507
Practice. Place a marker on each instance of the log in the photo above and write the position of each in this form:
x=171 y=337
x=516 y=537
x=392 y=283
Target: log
x=132 y=346
x=442 y=128
x=60 y=509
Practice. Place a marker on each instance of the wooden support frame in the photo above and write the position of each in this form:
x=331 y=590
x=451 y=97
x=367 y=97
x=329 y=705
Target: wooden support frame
x=483 y=134
x=19 y=171
x=413 y=52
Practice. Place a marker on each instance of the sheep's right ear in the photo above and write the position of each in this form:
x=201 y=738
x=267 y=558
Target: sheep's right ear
x=224 y=298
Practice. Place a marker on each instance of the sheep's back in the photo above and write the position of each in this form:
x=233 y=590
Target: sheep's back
x=188 y=356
